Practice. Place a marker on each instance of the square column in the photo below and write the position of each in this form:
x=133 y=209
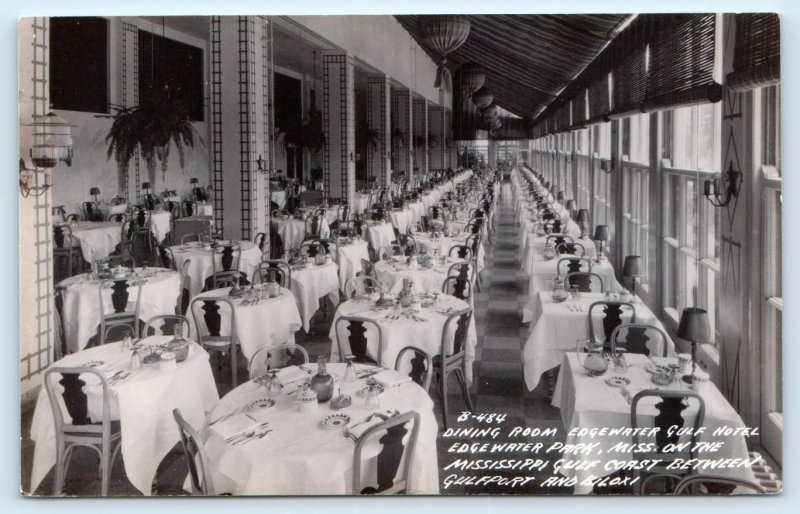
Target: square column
x=338 y=112
x=421 y=157
x=402 y=131
x=378 y=123
x=239 y=124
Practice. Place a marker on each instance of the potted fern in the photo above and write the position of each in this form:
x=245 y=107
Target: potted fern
x=149 y=128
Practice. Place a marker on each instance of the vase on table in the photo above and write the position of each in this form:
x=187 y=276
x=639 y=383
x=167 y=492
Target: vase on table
x=322 y=382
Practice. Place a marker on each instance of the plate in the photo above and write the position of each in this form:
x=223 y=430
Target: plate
x=336 y=421
x=93 y=364
x=617 y=381
x=363 y=391
x=261 y=404
x=657 y=368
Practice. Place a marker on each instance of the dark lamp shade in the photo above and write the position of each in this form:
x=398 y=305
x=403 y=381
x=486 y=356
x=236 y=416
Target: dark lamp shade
x=94 y=191
x=583 y=216
x=572 y=205
x=193 y=180
x=632 y=266
x=601 y=233
x=560 y=196
x=146 y=185
x=694 y=325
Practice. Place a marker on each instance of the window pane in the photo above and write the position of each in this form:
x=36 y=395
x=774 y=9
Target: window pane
x=770 y=126
x=684 y=138
x=672 y=194
x=705 y=137
x=666 y=135
x=79 y=64
x=690 y=218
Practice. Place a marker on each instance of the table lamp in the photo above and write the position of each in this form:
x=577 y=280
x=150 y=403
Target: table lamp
x=694 y=327
x=146 y=187
x=94 y=191
x=601 y=234
x=560 y=196
x=572 y=206
x=632 y=269
x=582 y=218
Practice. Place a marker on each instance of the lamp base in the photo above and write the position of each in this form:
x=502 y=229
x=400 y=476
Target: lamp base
x=689 y=378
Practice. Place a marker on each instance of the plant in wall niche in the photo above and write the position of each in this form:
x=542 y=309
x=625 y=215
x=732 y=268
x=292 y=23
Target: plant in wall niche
x=149 y=128
x=433 y=141
x=306 y=133
x=398 y=139
x=313 y=132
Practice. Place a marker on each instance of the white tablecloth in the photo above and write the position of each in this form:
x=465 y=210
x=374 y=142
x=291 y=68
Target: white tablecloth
x=271 y=321
x=279 y=197
x=588 y=402
x=402 y=219
x=379 y=234
x=312 y=283
x=349 y=258
x=81 y=311
x=417 y=210
x=543 y=272
x=534 y=245
x=403 y=332
x=204 y=209
x=555 y=329
x=360 y=203
x=300 y=457
x=426 y=280
x=160 y=224
x=293 y=231
x=107 y=209
x=443 y=244
x=98 y=239
x=142 y=403
x=202 y=267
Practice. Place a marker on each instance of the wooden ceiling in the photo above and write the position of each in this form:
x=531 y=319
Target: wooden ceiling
x=528 y=59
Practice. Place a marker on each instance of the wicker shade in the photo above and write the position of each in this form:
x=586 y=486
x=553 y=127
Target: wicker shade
x=471 y=77
x=444 y=34
x=193 y=180
x=482 y=98
x=757 y=54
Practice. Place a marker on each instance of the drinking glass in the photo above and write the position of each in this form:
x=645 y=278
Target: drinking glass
x=373 y=400
x=273 y=384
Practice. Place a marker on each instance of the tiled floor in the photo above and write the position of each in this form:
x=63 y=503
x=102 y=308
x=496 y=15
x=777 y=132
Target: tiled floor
x=497 y=387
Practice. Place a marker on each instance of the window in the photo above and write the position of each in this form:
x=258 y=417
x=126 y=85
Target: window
x=635 y=215
x=79 y=64
x=169 y=65
x=666 y=135
x=695 y=137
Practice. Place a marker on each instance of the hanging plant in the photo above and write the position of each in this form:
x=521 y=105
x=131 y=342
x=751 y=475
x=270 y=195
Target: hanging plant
x=149 y=128
x=433 y=141
x=313 y=134
x=398 y=139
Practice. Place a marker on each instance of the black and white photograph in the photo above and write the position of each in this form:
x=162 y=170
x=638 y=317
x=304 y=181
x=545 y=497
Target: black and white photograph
x=451 y=254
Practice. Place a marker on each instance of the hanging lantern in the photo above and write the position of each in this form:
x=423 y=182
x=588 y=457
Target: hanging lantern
x=471 y=77
x=489 y=111
x=52 y=141
x=444 y=34
x=482 y=98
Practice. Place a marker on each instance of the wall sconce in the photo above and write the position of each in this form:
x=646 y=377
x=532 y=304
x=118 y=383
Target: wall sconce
x=607 y=165
x=261 y=164
x=720 y=191
x=52 y=142
x=352 y=157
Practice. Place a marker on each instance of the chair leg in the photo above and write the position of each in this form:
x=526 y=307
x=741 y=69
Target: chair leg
x=62 y=456
x=443 y=390
x=233 y=364
x=462 y=380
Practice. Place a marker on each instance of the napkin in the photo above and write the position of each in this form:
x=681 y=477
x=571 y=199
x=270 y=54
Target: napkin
x=358 y=428
x=390 y=378
x=291 y=374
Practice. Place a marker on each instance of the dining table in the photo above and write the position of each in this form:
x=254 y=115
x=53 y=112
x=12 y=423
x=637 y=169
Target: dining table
x=588 y=402
x=442 y=244
x=402 y=219
x=535 y=244
x=259 y=444
x=379 y=234
x=201 y=266
x=426 y=278
x=415 y=326
x=349 y=256
x=107 y=209
x=260 y=322
x=541 y=273
x=293 y=231
x=80 y=313
x=97 y=239
x=279 y=197
x=312 y=282
x=141 y=400
x=556 y=328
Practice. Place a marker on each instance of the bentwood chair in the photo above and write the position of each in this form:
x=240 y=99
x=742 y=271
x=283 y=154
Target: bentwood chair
x=461 y=251
x=576 y=249
x=67 y=254
x=167 y=257
x=164 y=325
x=557 y=239
x=196 y=459
x=275 y=357
x=419 y=366
x=369 y=269
x=459 y=287
x=225 y=267
x=210 y=331
x=614 y=313
x=91 y=212
x=573 y=264
x=313 y=227
x=711 y=484
x=359 y=285
x=103 y=436
x=119 y=308
x=190 y=238
x=452 y=358
x=351 y=338
x=395 y=457
x=640 y=338
x=260 y=241
x=672 y=408
x=186 y=288
x=189 y=208
x=119 y=217
x=586 y=282
x=274 y=270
